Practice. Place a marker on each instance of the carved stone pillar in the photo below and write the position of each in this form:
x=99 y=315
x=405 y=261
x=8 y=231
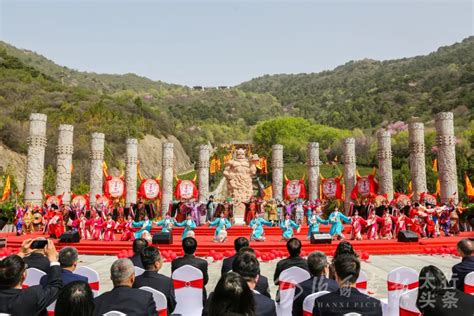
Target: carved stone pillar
x=277 y=172
x=349 y=170
x=446 y=142
x=64 y=150
x=167 y=177
x=384 y=156
x=313 y=171
x=203 y=173
x=131 y=171
x=97 y=159
x=35 y=159
x=416 y=139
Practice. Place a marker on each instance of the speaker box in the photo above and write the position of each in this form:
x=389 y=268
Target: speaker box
x=70 y=237
x=321 y=239
x=407 y=236
x=162 y=238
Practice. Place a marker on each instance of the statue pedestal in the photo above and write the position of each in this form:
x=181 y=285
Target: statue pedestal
x=239 y=212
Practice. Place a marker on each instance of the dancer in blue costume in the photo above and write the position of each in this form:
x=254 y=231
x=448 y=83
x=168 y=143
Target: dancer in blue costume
x=314 y=221
x=335 y=219
x=258 y=234
x=145 y=227
x=166 y=224
x=287 y=226
x=222 y=224
x=189 y=226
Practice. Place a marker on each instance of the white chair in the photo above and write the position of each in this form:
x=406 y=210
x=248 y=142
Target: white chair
x=308 y=302
x=33 y=277
x=92 y=278
x=352 y=314
x=469 y=283
x=114 y=313
x=287 y=282
x=160 y=300
x=408 y=303
x=50 y=308
x=188 y=289
x=138 y=271
x=361 y=283
x=399 y=281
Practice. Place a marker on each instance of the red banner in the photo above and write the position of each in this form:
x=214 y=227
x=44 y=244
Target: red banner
x=331 y=188
x=186 y=189
x=54 y=199
x=149 y=189
x=80 y=201
x=295 y=189
x=114 y=187
x=365 y=187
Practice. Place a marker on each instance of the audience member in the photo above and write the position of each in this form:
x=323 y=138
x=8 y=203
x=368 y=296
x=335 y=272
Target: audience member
x=152 y=262
x=239 y=243
x=248 y=267
x=15 y=300
x=75 y=299
x=262 y=286
x=465 y=249
x=344 y=248
x=294 y=260
x=68 y=259
x=189 y=245
x=232 y=295
x=138 y=245
x=37 y=259
x=123 y=297
x=347 y=299
x=319 y=268
x=435 y=297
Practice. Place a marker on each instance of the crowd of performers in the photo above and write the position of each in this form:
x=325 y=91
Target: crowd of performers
x=374 y=221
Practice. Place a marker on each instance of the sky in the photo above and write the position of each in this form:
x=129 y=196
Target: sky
x=212 y=43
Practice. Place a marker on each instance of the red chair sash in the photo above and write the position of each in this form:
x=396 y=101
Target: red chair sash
x=162 y=312
x=306 y=313
x=361 y=285
x=468 y=288
x=393 y=286
x=406 y=312
x=284 y=285
x=198 y=284
x=94 y=286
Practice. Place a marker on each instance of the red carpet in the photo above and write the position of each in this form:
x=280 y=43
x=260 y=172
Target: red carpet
x=206 y=245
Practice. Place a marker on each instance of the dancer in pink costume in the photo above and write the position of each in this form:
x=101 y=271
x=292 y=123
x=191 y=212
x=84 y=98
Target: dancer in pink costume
x=387 y=223
x=127 y=230
x=357 y=222
x=109 y=228
x=97 y=225
x=372 y=225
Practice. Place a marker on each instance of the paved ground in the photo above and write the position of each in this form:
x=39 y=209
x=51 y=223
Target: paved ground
x=377 y=269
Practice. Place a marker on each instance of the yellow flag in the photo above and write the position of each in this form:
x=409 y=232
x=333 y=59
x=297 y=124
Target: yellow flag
x=468 y=187
x=212 y=167
x=6 y=189
x=435 y=165
x=410 y=188
x=267 y=193
x=438 y=187
x=104 y=168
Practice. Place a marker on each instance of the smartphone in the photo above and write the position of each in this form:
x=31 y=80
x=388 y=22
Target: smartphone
x=39 y=244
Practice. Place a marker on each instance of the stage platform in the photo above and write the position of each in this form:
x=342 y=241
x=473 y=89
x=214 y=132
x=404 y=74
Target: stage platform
x=273 y=242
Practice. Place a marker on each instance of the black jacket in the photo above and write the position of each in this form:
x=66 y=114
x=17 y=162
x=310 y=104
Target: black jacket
x=288 y=263
x=308 y=287
x=160 y=283
x=126 y=300
x=264 y=306
x=227 y=264
x=460 y=271
x=450 y=302
x=137 y=261
x=38 y=261
x=344 y=301
x=32 y=300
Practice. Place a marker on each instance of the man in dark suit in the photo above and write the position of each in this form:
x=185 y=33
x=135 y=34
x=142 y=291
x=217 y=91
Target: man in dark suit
x=68 y=259
x=347 y=299
x=465 y=249
x=153 y=262
x=37 y=259
x=123 y=297
x=239 y=243
x=33 y=300
x=294 y=260
x=189 y=245
x=138 y=245
x=262 y=286
x=319 y=268
x=248 y=267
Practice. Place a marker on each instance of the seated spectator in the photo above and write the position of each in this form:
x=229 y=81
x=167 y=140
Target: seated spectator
x=189 y=245
x=465 y=249
x=68 y=258
x=294 y=260
x=123 y=297
x=319 y=268
x=262 y=286
x=152 y=261
x=248 y=267
x=344 y=247
x=138 y=245
x=15 y=300
x=75 y=299
x=347 y=299
x=239 y=243
x=435 y=297
x=232 y=295
x=37 y=259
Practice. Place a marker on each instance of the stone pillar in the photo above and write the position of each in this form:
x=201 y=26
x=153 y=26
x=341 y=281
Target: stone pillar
x=416 y=140
x=35 y=159
x=349 y=170
x=277 y=172
x=313 y=171
x=203 y=173
x=131 y=171
x=446 y=142
x=384 y=156
x=97 y=159
x=167 y=177
x=64 y=151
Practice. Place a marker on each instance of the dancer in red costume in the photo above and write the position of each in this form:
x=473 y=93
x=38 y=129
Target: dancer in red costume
x=387 y=223
x=97 y=224
x=372 y=220
x=127 y=230
x=401 y=222
x=357 y=222
x=109 y=228
x=84 y=226
x=250 y=211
